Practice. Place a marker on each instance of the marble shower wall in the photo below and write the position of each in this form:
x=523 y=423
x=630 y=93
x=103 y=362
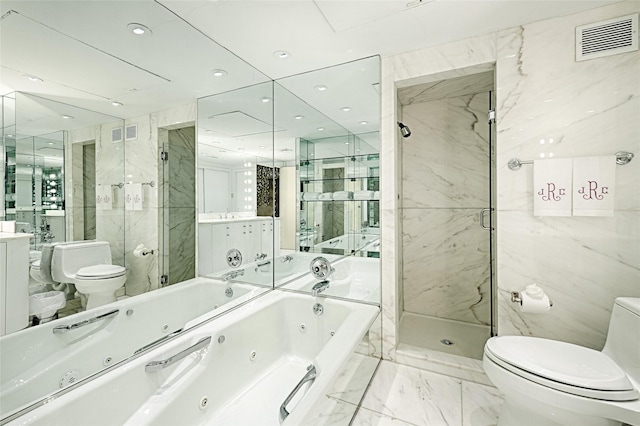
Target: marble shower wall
x=587 y=108
x=445 y=180
x=143 y=164
x=180 y=206
x=83 y=147
x=590 y=108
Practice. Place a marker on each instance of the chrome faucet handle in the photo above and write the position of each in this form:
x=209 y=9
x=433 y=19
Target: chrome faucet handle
x=321 y=268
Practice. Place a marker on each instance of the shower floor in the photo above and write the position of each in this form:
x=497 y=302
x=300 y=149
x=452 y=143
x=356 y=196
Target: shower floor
x=429 y=332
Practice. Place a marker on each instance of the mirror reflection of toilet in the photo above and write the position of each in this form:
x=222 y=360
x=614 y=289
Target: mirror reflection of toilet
x=548 y=382
x=87 y=265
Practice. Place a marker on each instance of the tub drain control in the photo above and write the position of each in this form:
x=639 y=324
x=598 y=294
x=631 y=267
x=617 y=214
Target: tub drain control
x=69 y=378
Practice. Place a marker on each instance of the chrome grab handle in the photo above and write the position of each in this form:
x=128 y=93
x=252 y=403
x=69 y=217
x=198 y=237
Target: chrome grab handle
x=159 y=365
x=64 y=328
x=155 y=342
x=482 y=218
x=309 y=377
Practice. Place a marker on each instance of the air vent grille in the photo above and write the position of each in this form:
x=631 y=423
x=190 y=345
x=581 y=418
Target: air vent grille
x=607 y=38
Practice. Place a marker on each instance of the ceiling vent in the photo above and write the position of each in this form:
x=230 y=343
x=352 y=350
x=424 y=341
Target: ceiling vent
x=607 y=38
x=116 y=134
x=131 y=132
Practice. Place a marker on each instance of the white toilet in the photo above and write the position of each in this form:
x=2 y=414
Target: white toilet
x=40 y=271
x=87 y=264
x=548 y=382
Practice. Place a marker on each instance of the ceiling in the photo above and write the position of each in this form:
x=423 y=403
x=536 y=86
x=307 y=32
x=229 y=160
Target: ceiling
x=84 y=55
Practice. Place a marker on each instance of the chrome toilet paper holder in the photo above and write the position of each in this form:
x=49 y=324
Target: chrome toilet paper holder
x=515 y=298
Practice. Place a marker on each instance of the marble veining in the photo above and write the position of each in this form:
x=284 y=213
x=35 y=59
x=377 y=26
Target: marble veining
x=416 y=396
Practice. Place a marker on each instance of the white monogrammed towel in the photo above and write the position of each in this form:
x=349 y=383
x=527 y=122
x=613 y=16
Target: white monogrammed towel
x=552 y=187
x=594 y=181
x=107 y=197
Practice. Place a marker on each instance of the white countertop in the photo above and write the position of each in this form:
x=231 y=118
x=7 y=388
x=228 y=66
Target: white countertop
x=5 y=236
x=236 y=219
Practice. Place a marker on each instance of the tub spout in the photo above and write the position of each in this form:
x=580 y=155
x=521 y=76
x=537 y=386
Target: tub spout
x=233 y=274
x=319 y=288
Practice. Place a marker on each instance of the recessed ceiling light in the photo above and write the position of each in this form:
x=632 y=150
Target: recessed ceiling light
x=240 y=149
x=67 y=117
x=281 y=54
x=34 y=78
x=265 y=99
x=262 y=147
x=364 y=122
x=299 y=117
x=139 y=29
x=218 y=73
x=346 y=143
x=116 y=104
x=321 y=88
x=320 y=129
x=209 y=131
x=50 y=143
x=345 y=109
x=286 y=150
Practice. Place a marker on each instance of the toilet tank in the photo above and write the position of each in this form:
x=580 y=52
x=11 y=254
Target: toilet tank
x=623 y=338
x=68 y=258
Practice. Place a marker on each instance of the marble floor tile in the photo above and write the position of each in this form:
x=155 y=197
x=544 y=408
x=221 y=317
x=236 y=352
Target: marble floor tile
x=415 y=396
x=330 y=412
x=354 y=378
x=366 y=417
x=480 y=404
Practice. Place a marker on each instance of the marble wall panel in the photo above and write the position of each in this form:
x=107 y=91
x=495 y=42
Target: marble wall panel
x=445 y=264
x=180 y=204
x=550 y=104
x=445 y=161
x=89 y=191
x=182 y=250
x=110 y=170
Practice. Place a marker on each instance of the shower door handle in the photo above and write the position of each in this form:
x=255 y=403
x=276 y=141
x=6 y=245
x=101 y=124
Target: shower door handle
x=483 y=213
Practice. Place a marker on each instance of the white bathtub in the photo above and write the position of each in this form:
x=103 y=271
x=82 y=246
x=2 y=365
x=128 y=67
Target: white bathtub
x=35 y=362
x=356 y=278
x=256 y=356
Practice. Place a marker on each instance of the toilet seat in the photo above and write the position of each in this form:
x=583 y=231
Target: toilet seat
x=100 y=272
x=578 y=371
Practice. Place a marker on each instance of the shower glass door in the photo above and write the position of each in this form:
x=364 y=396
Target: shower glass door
x=446 y=213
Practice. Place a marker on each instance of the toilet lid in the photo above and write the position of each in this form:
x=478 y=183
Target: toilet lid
x=100 y=272
x=579 y=370
x=36 y=264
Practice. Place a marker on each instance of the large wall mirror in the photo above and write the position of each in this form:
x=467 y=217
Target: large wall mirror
x=298 y=158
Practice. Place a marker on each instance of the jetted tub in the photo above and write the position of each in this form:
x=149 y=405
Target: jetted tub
x=354 y=277
x=40 y=360
x=238 y=369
